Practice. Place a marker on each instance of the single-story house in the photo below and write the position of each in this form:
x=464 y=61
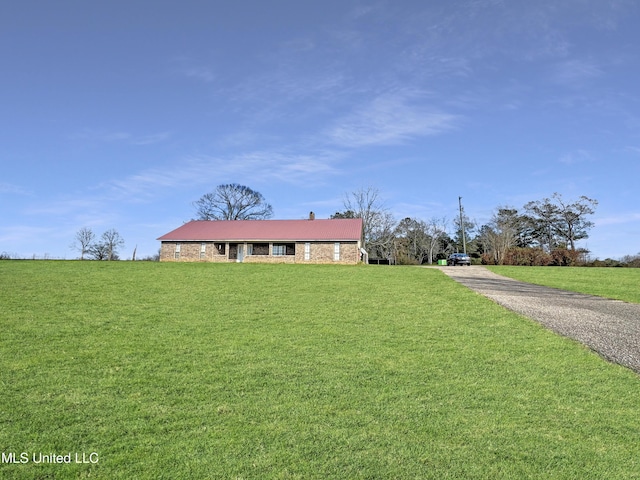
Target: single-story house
x=268 y=241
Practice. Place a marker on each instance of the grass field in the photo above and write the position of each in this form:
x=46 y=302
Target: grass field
x=246 y=371
x=616 y=283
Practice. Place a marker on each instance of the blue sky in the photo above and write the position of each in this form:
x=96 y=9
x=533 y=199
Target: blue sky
x=121 y=114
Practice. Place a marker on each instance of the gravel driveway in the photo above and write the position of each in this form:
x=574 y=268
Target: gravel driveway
x=610 y=327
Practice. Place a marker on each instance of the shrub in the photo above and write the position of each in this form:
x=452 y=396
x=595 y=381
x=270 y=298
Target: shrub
x=631 y=261
x=487 y=259
x=527 y=257
x=563 y=257
x=405 y=259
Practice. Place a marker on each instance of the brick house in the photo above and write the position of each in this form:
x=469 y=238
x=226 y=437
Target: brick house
x=267 y=241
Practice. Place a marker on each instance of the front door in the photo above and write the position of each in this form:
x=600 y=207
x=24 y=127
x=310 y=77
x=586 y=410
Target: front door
x=240 y=252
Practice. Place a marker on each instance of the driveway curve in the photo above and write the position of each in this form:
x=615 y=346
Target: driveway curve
x=610 y=327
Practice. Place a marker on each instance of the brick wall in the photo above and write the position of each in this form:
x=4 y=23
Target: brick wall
x=190 y=252
x=269 y=259
x=319 y=252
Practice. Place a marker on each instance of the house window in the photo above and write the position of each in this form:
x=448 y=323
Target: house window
x=336 y=251
x=284 y=249
x=260 y=249
x=220 y=247
x=250 y=249
x=203 y=250
x=307 y=251
x=177 y=253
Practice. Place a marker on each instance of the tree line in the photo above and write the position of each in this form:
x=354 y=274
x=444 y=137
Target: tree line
x=542 y=232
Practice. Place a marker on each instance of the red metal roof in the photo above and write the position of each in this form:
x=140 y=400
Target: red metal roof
x=343 y=229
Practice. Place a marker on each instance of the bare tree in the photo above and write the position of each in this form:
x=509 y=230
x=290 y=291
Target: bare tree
x=631 y=260
x=83 y=240
x=366 y=204
x=435 y=229
x=98 y=251
x=382 y=240
x=112 y=241
x=232 y=202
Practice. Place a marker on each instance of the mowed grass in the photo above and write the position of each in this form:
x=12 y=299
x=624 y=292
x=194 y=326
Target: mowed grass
x=275 y=372
x=617 y=283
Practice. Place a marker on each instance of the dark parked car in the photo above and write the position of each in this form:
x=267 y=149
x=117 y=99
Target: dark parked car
x=458 y=259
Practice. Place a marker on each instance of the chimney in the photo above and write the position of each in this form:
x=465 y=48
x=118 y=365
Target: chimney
x=312 y=216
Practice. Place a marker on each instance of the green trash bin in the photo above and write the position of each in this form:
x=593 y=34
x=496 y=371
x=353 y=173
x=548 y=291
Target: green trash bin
x=442 y=262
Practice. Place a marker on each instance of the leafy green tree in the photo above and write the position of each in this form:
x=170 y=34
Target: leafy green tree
x=470 y=228
x=506 y=229
x=542 y=217
x=412 y=242
x=572 y=222
x=556 y=223
x=345 y=214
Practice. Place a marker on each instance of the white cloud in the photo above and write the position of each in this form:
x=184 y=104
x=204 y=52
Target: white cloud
x=272 y=94
x=12 y=189
x=575 y=157
x=635 y=150
x=96 y=135
x=390 y=119
x=203 y=74
x=89 y=207
x=293 y=168
x=259 y=166
x=188 y=67
x=629 y=217
x=106 y=136
x=19 y=233
x=150 y=139
x=575 y=71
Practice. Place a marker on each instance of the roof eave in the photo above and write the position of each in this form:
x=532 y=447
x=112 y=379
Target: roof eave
x=258 y=240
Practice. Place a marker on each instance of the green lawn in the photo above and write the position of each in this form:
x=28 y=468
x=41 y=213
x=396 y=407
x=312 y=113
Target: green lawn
x=257 y=372
x=617 y=283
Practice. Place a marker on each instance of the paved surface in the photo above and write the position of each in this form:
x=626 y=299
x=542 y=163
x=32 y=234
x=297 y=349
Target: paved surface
x=610 y=327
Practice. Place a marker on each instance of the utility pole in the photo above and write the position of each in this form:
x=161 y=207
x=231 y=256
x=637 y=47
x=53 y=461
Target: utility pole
x=464 y=242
